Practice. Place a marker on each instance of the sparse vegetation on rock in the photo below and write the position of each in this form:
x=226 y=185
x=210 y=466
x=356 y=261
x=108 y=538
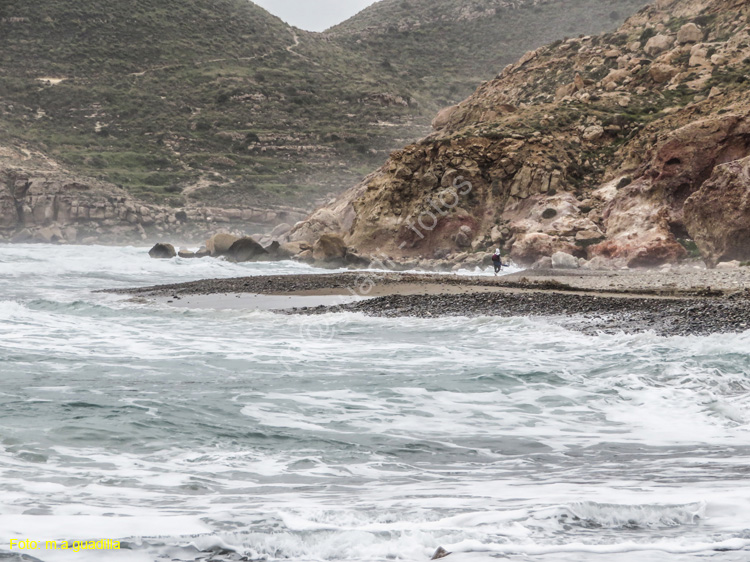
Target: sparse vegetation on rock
x=614 y=132
x=220 y=104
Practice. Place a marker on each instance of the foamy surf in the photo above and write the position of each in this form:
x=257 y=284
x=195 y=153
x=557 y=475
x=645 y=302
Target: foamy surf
x=230 y=435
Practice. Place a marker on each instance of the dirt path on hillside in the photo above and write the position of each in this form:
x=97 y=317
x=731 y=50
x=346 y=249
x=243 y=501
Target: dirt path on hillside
x=290 y=49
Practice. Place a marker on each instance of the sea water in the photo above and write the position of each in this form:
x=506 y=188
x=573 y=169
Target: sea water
x=227 y=435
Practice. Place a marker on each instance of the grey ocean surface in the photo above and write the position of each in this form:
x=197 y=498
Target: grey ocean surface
x=240 y=435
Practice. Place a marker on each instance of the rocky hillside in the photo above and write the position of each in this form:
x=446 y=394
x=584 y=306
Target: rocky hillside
x=619 y=149
x=191 y=102
x=215 y=103
x=42 y=201
x=443 y=49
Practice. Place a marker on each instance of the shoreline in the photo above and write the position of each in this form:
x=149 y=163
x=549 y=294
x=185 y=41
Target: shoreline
x=588 y=313
x=674 y=283
x=592 y=302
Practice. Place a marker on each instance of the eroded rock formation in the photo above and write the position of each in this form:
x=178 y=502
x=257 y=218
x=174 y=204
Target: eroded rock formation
x=589 y=146
x=717 y=216
x=40 y=201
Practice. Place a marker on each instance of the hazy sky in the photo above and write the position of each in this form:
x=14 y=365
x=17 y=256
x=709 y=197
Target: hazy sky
x=314 y=15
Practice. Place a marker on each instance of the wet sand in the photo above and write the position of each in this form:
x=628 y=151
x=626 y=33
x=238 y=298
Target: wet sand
x=250 y=301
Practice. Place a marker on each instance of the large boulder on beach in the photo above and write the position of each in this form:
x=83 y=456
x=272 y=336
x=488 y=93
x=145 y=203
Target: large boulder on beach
x=528 y=248
x=329 y=248
x=162 y=252
x=245 y=249
x=717 y=216
x=561 y=260
x=305 y=256
x=544 y=262
x=278 y=251
x=291 y=249
x=49 y=235
x=219 y=244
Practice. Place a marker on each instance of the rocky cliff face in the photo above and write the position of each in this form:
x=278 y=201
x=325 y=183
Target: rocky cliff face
x=589 y=146
x=42 y=202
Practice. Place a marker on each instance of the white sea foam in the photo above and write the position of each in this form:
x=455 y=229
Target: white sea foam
x=340 y=437
x=672 y=547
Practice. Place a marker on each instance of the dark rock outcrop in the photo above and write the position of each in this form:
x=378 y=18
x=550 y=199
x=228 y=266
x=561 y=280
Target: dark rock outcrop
x=162 y=252
x=440 y=553
x=245 y=249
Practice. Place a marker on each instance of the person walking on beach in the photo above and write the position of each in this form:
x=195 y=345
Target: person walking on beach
x=497 y=261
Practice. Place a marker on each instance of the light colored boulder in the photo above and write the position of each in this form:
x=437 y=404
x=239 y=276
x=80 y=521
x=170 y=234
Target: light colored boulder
x=496 y=235
x=689 y=33
x=219 y=244
x=699 y=56
x=291 y=249
x=22 y=236
x=593 y=133
x=589 y=237
x=280 y=230
x=616 y=76
x=658 y=44
x=528 y=248
x=443 y=117
x=70 y=233
x=323 y=221
x=544 y=262
x=561 y=260
x=329 y=248
x=50 y=234
x=305 y=256
x=564 y=91
x=662 y=73
x=734 y=264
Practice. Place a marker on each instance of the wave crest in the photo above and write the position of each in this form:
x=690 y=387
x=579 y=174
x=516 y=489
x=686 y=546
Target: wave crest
x=614 y=516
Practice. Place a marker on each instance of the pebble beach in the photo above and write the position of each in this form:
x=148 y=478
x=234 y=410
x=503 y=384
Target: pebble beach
x=688 y=301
